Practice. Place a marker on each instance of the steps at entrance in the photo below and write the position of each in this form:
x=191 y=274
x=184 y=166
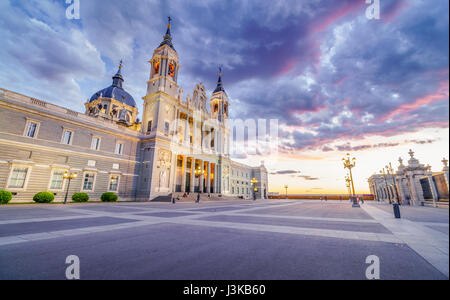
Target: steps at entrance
x=192 y=197
x=167 y=198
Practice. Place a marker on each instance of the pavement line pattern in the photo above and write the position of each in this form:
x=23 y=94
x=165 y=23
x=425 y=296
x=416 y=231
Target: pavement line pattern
x=432 y=245
x=300 y=218
x=137 y=220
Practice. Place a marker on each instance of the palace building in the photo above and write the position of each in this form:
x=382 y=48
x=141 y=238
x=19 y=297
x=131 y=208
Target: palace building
x=412 y=184
x=180 y=146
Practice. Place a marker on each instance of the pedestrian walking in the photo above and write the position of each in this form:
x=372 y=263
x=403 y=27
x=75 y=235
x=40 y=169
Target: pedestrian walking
x=198 y=198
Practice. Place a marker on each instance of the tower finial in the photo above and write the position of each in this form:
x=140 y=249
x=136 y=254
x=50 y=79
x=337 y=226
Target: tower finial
x=168 y=37
x=219 y=87
x=121 y=64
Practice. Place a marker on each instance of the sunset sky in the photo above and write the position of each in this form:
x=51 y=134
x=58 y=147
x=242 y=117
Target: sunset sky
x=336 y=81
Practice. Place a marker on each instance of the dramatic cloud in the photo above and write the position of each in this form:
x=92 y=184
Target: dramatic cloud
x=327 y=73
x=285 y=172
x=308 y=178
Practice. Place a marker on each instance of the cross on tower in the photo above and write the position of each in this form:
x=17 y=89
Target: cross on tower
x=445 y=162
x=400 y=160
x=121 y=64
x=411 y=153
x=170 y=20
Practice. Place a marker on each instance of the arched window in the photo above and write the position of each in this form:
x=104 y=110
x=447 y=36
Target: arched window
x=156 y=68
x=171 y=70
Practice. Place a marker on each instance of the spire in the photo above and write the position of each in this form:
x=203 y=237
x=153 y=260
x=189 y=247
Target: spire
x=168 y=37
x=118 y=79
x=219 y=87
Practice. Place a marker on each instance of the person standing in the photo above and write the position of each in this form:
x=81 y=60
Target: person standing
x=198 y=198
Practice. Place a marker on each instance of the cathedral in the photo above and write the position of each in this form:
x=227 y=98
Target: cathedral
x=181 y=145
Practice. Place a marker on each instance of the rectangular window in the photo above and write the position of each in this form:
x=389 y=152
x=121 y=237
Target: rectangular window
x=18 y=177
x=119 y=148
x=32 y=130
x=114 y=183
x=88 y=182
x=57 y=180
x=67 y=137
x=95 y=145
x=150 y=126
x=166 y=128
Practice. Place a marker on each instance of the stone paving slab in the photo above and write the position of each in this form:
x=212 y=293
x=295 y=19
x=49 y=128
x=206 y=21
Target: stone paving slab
x=17 y=212
x=317 y=209
x=444 y=230
x=418 y=214
x=226 y=240
x=204 y=253
x=345 y=226
x=219 y=209
x=48 y=226
x=167 y=214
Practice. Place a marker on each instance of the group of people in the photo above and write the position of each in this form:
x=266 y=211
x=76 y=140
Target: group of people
x=185 y=195
x=360 y=199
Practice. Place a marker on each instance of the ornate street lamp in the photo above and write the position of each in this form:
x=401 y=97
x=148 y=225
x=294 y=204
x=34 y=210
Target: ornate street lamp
x=198 y=171
x=350 y=163
x=69 y=176
x=254 y=182
x=348 y=184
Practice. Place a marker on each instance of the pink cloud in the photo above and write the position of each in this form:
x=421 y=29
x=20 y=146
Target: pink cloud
x=441 y=94
x=394 y=11
x=288 y=67
x=324 y=23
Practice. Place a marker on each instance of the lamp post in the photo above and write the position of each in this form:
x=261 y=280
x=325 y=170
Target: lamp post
x=286 y=187
x=254 y=181
x=69 y=176
x=347 y=180
x=197 y=173
x=350 y=163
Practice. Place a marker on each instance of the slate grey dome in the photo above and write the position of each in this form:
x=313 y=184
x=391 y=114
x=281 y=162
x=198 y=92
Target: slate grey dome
x=115 y=91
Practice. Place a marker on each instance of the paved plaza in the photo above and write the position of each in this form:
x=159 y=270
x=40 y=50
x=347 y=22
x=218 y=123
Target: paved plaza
x=223 y=240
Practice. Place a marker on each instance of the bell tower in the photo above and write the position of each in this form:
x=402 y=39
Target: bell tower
x=164 y=67
x=219 y=101
x=162 y=87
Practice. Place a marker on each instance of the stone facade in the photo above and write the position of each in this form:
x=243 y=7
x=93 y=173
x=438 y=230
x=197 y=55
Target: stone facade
x=413 y=184
x=181 y=145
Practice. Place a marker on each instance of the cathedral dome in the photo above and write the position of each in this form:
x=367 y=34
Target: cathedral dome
x=115 y=91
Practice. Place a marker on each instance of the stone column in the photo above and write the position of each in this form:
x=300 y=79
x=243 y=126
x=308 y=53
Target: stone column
x=215 y=178
x=201 y=176
x=173 y=173
x=192 y=175
x=208 y=178
x=183 y=174
x=186 y=132
x=433 y=190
